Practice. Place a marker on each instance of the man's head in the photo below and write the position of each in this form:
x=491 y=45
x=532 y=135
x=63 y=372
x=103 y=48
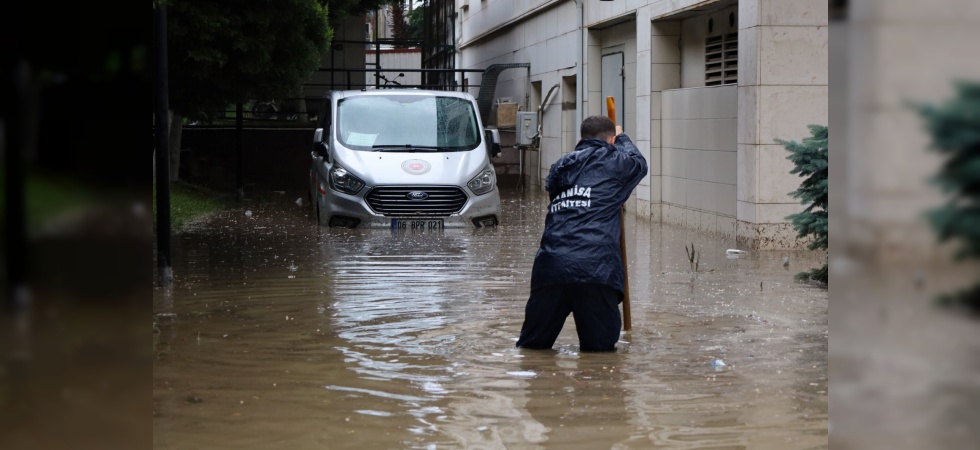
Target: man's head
x=599 y=127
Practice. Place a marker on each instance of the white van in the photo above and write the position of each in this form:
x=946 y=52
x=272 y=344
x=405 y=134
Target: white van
x=403 y=159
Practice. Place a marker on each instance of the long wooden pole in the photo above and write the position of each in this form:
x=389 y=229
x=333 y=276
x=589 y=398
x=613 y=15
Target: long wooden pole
x=627 y=319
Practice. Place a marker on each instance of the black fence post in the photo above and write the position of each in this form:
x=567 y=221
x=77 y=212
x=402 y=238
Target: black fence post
x=18 y=301
x=238 y=151
x=162 y=126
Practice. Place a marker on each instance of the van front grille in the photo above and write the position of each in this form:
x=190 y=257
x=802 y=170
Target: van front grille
x=404 y=201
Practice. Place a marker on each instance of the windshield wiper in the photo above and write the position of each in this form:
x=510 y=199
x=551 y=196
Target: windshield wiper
x=407 y=147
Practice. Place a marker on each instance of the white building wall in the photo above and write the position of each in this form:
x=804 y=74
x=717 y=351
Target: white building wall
x=699 y=158
x=894 y=54
x=602 y=41
x=694 y=31
x=782 y=87
x=547 y=39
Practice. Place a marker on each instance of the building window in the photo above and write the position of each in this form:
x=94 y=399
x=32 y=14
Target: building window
x=721 y=60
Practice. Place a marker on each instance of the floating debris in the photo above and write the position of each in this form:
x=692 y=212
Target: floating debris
x=523 y=373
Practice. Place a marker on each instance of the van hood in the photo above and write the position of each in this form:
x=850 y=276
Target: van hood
x=413 y=168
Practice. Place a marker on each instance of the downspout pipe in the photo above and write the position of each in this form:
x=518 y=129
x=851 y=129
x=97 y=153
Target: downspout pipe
x=541 y=107
x=579 y=78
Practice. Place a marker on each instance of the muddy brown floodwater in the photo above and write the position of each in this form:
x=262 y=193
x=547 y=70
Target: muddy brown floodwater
x=281 y=334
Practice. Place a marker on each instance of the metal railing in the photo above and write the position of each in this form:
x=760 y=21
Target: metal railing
x=382 y=81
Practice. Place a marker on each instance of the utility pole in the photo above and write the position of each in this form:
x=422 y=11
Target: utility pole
x=162 y=127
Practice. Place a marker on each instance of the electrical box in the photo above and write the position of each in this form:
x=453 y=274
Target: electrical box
x=527 y=127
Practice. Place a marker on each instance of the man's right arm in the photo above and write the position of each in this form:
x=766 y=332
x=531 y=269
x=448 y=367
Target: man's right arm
x=634 y=165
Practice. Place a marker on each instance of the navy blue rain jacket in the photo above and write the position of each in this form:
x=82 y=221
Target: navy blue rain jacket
x=587 y=188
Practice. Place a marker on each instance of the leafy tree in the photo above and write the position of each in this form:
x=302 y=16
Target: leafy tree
x=416 y=22
x=342 y=8
x=222 y=52
x=810 y=159
x=399 y=27
x=955 y=131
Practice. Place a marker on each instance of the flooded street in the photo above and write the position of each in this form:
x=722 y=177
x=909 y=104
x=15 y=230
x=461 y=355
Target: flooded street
x=282 y=334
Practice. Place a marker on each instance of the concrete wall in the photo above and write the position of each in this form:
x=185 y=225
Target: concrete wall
x=782 y=87
x=694 y=31
x=880 y=168
x=699 y=158
x=619 y=37
x=664 y=56
x=603 y=39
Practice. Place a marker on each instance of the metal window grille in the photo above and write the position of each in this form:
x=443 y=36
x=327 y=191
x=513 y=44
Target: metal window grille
x=721 y=60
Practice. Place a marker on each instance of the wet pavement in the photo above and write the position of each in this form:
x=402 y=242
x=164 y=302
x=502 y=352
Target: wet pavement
x=281 y=334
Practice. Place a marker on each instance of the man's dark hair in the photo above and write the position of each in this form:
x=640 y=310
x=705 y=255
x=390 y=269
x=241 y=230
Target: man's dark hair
x=598 y=127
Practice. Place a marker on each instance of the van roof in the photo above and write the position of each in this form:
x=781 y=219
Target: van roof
x=405 y=91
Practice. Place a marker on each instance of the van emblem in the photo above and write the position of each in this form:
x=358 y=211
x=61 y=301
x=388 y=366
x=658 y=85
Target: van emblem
x=417 y=195
x=416 y=166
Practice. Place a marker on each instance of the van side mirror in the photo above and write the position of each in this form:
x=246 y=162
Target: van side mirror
x=321 y=150
x=319 y=147
x=493 y=142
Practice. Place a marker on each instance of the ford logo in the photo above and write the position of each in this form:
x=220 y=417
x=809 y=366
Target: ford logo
x=417 y=195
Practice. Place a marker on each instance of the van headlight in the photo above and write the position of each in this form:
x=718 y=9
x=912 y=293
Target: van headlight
x=483 y=182
x=343 y=181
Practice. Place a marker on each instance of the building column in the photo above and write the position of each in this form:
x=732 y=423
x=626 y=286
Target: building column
x=782 y=88
x=664 y=74
x=641 y=123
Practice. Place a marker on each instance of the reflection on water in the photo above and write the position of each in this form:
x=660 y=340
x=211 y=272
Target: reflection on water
x=279 y=333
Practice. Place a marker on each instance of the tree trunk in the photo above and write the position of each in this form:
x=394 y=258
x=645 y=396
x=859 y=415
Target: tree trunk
x=176 y=128
x=301 y=112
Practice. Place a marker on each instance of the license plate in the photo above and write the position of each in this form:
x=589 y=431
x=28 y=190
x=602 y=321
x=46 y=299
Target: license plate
x=416 y=224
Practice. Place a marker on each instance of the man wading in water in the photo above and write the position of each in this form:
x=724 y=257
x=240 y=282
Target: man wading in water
x=578 y=269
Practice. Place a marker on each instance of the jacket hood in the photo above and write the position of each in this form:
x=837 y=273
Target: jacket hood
x=568 y=168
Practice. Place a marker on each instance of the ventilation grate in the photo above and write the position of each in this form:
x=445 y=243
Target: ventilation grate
x=721 y=60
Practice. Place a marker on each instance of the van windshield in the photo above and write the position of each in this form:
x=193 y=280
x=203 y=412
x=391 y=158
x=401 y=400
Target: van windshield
x=407 y=123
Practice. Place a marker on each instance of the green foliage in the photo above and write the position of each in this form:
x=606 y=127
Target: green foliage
x=399 y=26
x=190 y=203
x=224 y=51
x=810 y=160
x=50 y=197
x=955 y=131
x=344 y=8
x=416 y=23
